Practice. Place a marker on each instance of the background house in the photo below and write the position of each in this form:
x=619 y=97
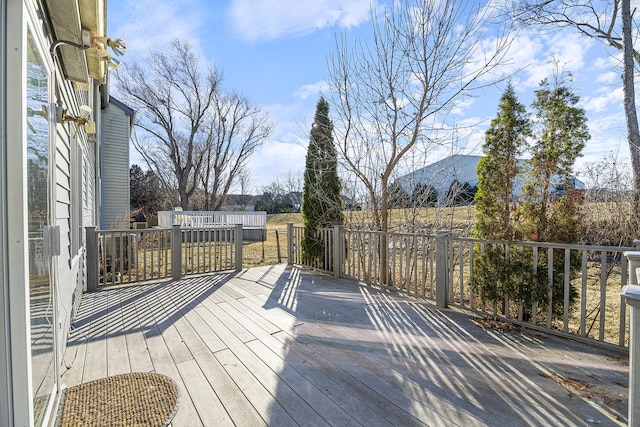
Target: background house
x=461 y=168
x=117 y=123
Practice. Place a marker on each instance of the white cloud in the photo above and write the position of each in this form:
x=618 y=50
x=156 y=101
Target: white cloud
x=531 y=55
x=608 y=78
x=313 y=89
x=286 y=150
x=522 y=61
x=570 y=48
x=270 y=19
x=148 y=25
x=610 y=97
x=275 y=158
x=462 y=105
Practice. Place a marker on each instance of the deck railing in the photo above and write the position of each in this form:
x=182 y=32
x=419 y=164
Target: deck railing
x=204 y=219
x=127 y=256
x=442 y=267
x=205 y=250
x=585 y=305
x=589 y=305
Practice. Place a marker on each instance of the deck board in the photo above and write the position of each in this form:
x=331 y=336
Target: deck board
x=118 y=361
x=206 y=401
x=139 y=357
x=283 y=346
x=164 y=364
x=255 y=392
x=95 y=360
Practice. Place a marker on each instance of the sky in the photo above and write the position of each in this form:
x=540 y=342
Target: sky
x=275 y=53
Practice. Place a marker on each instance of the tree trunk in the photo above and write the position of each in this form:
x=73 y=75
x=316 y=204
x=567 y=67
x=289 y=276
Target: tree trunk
x=384 y=238
x=628 y=87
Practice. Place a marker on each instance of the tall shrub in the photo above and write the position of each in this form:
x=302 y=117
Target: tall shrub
x=321 y=200
x=551 y=206
x=497 y=271
x=498 y=169
x=548 y=209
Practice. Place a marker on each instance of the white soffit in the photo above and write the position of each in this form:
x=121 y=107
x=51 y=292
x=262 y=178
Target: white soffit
x=68 y=18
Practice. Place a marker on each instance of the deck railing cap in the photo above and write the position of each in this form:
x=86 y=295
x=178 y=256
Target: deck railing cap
x=635 y=255
x=632 y=294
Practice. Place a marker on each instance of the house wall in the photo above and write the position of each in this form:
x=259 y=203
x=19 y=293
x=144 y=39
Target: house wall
x=115 y=168
x=71 y=200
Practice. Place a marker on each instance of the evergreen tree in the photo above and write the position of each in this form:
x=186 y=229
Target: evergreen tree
x=398 y=196
x=561 y=134
x=321 y=200
x=424 y=195
x=145 y=191
x=542 y=213
x=498 y=169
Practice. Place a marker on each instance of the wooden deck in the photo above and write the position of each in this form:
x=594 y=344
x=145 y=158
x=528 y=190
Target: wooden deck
x=283 y=346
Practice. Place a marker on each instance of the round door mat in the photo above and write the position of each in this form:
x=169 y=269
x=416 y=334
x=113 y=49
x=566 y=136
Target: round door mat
x=136 y=399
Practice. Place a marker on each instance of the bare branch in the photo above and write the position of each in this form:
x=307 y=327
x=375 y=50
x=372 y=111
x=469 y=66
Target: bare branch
x=392 y=96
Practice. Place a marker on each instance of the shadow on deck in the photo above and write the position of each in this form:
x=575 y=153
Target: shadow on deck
x=283 y=346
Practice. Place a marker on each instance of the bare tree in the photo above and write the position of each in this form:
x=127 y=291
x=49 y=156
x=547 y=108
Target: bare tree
x=396 y=92
x=243 y=180
x=610 y=218
x=236 y=128
x=173 y=98
x=291 y=182
x=282 y=194
x=608 y=21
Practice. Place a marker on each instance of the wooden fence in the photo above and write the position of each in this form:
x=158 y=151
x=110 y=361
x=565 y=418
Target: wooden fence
x=126 y=256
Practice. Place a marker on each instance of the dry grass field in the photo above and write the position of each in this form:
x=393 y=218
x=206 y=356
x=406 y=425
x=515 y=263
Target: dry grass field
x=456 y=218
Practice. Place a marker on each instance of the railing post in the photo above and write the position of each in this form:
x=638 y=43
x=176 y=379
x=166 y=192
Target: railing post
x=337 y=251
x=634 y=266
x=92 y=259
x=631 y=294
x=442 y=268
x=176 y=251
x=238 y=242
x=289 y=243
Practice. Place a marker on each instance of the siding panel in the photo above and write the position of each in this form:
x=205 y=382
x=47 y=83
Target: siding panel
x=115 y=168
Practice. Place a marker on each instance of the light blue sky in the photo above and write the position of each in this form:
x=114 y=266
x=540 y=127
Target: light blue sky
x=275 y=52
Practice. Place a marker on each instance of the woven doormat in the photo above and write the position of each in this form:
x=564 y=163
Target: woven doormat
x=136 y=399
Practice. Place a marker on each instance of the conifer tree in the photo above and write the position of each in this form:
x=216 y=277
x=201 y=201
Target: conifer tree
x=541 y=214
x=560 y=136
x=497 y=273
x=549 y=215
x=497 y=171
x=321 y=200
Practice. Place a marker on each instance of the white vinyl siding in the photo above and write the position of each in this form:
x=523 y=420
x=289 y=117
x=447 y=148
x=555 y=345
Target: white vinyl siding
x=115 y=168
